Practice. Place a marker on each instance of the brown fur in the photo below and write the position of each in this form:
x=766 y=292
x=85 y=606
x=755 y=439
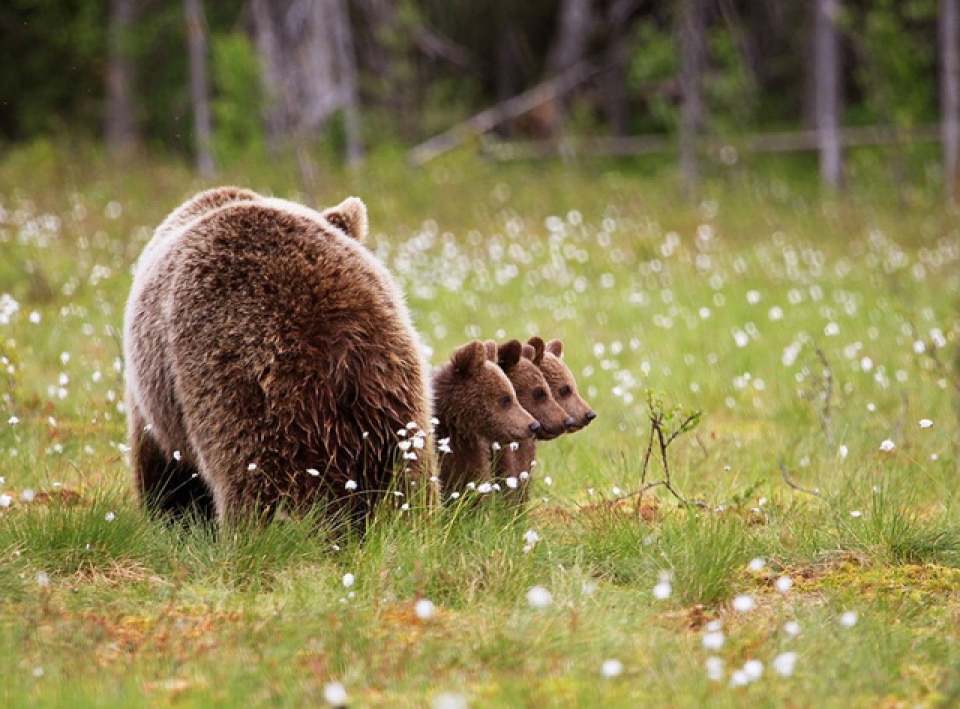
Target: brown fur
x=534 y=395
x=563 y=386
x=260 y=335
x=476 y=406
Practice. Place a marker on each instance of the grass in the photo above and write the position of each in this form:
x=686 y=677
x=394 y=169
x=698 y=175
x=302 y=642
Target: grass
x=807 y=328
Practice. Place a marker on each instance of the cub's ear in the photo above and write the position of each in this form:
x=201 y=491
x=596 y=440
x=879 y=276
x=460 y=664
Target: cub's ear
x=528 y=352
x=469 y=358
x=350 y=216
x=491 y=348
x=508 y=354
x=555 y=347
x=537 y=344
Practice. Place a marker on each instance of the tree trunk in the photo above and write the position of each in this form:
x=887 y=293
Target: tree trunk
x=949 y=94
x=569 y=45
x=827 y=79
x=692 y=56
x=122 y=136
x=347 y=79
x=617 y=60
x=199 y=90
x=271 y=73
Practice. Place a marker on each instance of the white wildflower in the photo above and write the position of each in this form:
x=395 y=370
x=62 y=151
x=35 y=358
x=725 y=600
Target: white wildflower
x=662 y=590
x=348 y=580
x=753 y=669
x=744 y=603
x=713 y=640
x=611 y=668
x=539 y=597
x=849 y=619
x=784 y=663
x=714 y=668
x=449 y=700
x=784 y=584
x=887 y=445
x=335 y=694
x=424 y=608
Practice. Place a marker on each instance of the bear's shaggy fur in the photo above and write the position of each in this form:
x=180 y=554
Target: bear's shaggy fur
x=534 y=395
x=476 y=406
x=564 y=387
x=269 y=354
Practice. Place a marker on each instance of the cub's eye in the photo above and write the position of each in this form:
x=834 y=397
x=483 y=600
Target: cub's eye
x=505 y=401
x=539 y=394
x=565 y=391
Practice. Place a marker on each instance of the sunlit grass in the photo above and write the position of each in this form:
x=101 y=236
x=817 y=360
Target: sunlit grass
x=808 y=329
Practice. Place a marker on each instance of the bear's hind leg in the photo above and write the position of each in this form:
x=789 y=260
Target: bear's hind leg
x=165 y=486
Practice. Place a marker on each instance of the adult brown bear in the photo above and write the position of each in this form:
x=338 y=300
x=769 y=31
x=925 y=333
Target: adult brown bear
x=270 y=357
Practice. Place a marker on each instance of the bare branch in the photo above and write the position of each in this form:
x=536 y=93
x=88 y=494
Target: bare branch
x=791 y=483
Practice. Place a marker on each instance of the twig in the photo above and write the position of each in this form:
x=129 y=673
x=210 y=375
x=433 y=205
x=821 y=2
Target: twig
x=703 y=446
x=825 y=414
x=791 y=483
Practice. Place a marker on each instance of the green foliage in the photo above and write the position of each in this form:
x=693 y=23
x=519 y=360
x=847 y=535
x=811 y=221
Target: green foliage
x=892 y=43
x=656 y=60
x=237 y=97
x=51 y=79
x=730 y=89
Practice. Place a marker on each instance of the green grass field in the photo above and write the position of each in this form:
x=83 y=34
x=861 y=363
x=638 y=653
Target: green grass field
x=808 y=330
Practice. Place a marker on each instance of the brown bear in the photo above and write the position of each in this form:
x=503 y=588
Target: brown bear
x=271 y=356
x=513 y=463
x=476 y=406
x=563 y=386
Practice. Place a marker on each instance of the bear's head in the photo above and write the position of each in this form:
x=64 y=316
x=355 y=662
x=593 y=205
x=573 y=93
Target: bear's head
x=350 y=217
x=562 y=384
x=532 y=389
x=473 y=394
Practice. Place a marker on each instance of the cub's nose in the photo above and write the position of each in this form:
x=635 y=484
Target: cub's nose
x=570 y=422
x=535 y=426
x=590 y=415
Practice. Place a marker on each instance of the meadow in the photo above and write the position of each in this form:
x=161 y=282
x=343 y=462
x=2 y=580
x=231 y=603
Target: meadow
x=816 y=559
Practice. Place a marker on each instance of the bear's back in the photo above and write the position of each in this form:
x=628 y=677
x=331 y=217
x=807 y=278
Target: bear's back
x=275 y=313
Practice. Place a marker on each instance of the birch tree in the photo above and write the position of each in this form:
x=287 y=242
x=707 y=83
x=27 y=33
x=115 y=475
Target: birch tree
x=692 y=56
x=949 y=96
x=199 y=89
x=120 y=128
x=827 y=90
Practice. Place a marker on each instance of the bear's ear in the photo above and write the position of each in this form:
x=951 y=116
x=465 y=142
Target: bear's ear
x=469 y=358
x=528 y=352
x=537 y=344
x=555 y=347
x=491 y=347
x=350 y=216
x=508 y=354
